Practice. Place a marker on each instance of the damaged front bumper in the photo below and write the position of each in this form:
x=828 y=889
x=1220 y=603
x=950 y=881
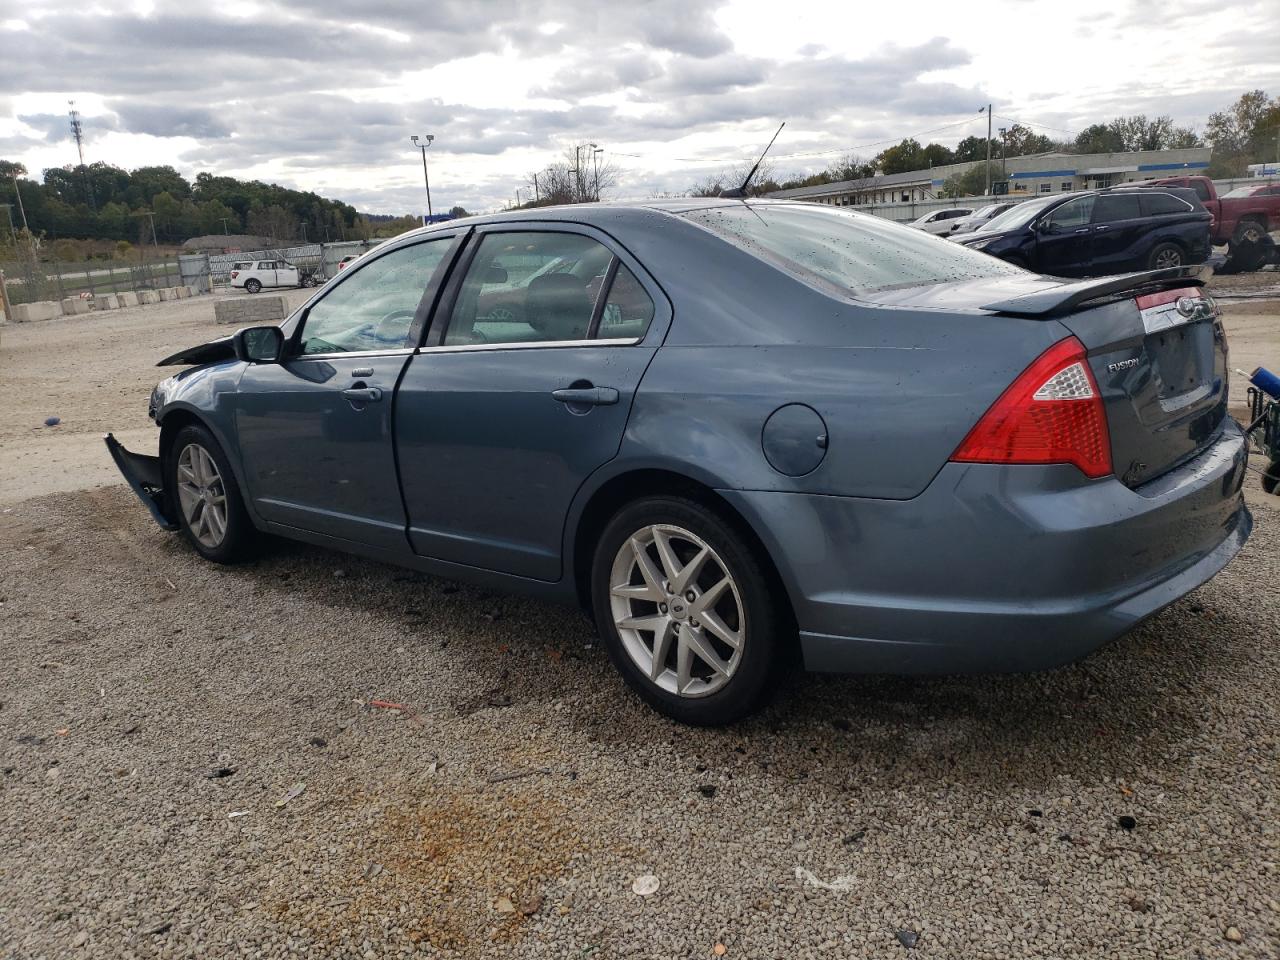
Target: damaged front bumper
x=146 y=478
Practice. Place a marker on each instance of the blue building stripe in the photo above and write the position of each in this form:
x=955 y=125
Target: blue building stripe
x=1042 y=173
x=1189 y=165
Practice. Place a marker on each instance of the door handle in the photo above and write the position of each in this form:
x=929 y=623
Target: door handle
x=586 y=396
x=1082 y=230
x=363 y=394
x=1102 y=227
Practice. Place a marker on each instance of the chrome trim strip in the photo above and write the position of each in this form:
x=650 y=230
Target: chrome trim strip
x=535 y=344
x=398 y=352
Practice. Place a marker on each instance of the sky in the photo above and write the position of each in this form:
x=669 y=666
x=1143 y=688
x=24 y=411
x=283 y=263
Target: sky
x=324 y=94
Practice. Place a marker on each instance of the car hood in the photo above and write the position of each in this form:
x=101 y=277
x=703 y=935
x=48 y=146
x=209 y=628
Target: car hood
x=1029 y=294
x=210 y=352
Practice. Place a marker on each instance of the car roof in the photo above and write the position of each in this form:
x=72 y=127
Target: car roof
x=604 y=212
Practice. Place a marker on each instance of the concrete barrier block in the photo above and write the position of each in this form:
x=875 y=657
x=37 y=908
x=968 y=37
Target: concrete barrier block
x=105 y=301
x=37 y=310
x=191 y=291
x=148 y=296
x=74 y=306
x=166 y=293
x=249 y=311
x=127 y=299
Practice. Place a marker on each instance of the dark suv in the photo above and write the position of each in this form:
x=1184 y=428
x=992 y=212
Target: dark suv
x=1097 y=232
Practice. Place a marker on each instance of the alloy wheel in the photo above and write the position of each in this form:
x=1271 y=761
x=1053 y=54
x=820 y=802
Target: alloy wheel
x=1168 y=258
x=677 y=610
x=202 y=495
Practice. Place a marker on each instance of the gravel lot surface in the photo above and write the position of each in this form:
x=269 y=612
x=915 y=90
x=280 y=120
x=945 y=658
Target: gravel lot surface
x=158 y=715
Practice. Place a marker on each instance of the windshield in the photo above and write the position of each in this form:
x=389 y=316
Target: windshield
x=1239 y=192
x=848 y=250
x=1017 y=217
x=983 y=212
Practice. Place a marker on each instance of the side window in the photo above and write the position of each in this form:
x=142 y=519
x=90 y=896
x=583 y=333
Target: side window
x=374 y=305
x=528 y=287
x=1202 y=189
x=1157 y=204
x=1111 y=207
x=1073 y=213
x=628 y=310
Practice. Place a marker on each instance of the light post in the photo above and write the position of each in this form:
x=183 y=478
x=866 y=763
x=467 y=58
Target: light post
x=595 y=167
x=225 y=231
x=303 y=225
x=987 y=111
x=426 y=142
x=1004 y=153
x=517 y=196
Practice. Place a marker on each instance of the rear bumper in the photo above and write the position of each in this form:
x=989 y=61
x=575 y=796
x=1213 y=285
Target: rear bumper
x=998 y=569
x=145 y=478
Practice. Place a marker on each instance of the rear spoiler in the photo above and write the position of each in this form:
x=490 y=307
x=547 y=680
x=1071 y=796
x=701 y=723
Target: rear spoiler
x=1069 y=296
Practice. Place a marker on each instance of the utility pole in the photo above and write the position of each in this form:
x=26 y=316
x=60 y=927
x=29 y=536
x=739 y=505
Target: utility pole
x=987 y=111
x=577 y=172
x=1004 y=150
x=303 y=224
x=154 y=242
x=225 y=231
x=21 y=209
x=517 y=196
x=425 y=179
x=537 y=198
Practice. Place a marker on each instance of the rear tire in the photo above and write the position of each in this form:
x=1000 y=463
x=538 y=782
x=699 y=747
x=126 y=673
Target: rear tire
x=1249 y=231
x=698 y=603
x=252 y=286
x=1165 y=256
x=206 y=499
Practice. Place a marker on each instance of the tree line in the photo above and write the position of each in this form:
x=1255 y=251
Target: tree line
x=102 y=201
x=1246 y=132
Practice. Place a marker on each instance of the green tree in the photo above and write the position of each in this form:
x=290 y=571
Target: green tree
x=974 y=148
x=1021 y=142
x=902 y=157
x=1244 y=133
x=966 y=183
x=1098 y=138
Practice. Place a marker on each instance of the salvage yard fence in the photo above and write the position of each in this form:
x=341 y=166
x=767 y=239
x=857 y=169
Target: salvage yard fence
x=30 y=280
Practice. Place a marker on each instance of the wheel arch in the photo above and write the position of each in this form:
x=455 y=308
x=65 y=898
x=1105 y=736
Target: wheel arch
x=175 y=417
x=627 y=487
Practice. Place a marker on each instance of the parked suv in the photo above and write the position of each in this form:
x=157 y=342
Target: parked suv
x=265 y=273
x=975 y=220
x=1098 y=232
x=940 y=221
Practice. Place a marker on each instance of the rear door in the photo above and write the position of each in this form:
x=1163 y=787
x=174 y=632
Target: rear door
x=511 y=406
x=1121 y=237
x=315 y=429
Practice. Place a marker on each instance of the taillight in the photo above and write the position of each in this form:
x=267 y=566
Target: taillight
x=234 y=274
x=1052 y=413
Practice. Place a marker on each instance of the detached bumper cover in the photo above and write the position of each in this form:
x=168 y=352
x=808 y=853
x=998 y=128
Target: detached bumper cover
x=145 y=478
x=997 y=569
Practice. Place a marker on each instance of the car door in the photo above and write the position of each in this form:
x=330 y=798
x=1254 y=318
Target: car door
x=315 y=429
x=286 y=274
x=1062 y=238
x=265 y=272
x=1121 y=238
x=502 y=416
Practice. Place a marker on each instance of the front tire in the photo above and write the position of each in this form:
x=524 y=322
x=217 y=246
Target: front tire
x=686 y=611
x=206 y=499
x=1166 y=256
x=1249 y=231
x=253 y=286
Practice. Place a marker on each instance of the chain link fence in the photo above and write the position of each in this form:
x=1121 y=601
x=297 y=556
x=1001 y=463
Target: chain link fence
x=28 y=279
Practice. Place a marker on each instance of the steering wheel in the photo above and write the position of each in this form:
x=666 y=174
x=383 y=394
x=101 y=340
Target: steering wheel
x=392 y=320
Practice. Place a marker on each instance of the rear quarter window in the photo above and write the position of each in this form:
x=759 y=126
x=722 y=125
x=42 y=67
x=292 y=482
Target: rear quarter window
x=1155 y=204
x=852 y=252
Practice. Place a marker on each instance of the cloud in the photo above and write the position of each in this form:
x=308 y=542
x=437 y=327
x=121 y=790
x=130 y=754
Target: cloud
x=161 y=120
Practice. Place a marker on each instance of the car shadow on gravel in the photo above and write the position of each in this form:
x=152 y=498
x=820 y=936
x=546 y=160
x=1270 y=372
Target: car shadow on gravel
x=1136 y=698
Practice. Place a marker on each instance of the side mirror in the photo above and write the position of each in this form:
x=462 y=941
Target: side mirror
x=258 y=344
x=495 y=275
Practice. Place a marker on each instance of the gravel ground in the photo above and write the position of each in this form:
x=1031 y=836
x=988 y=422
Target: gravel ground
x=158 y=714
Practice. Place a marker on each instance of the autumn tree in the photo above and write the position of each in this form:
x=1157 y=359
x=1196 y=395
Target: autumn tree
x=1246 y=132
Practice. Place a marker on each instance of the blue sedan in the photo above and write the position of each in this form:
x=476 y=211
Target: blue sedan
x=739 y=434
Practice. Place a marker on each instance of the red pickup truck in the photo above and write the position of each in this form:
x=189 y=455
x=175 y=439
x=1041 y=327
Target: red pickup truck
x=1246 y=214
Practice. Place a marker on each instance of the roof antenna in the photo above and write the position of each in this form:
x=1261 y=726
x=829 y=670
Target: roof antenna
x=740 y=193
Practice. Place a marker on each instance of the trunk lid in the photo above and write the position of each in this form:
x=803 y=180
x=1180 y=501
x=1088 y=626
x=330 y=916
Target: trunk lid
x=1162 y=371
x=1160 y=361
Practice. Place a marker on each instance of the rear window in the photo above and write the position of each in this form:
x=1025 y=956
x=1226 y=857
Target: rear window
x=850 y=251
x=1154 y=204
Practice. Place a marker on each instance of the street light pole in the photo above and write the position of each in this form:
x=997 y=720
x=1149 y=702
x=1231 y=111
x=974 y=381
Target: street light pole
x=225 y=231
x=987 y=111
x=595 y=167
x=21 y=209
x=1004 y=153
x=425 y=178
